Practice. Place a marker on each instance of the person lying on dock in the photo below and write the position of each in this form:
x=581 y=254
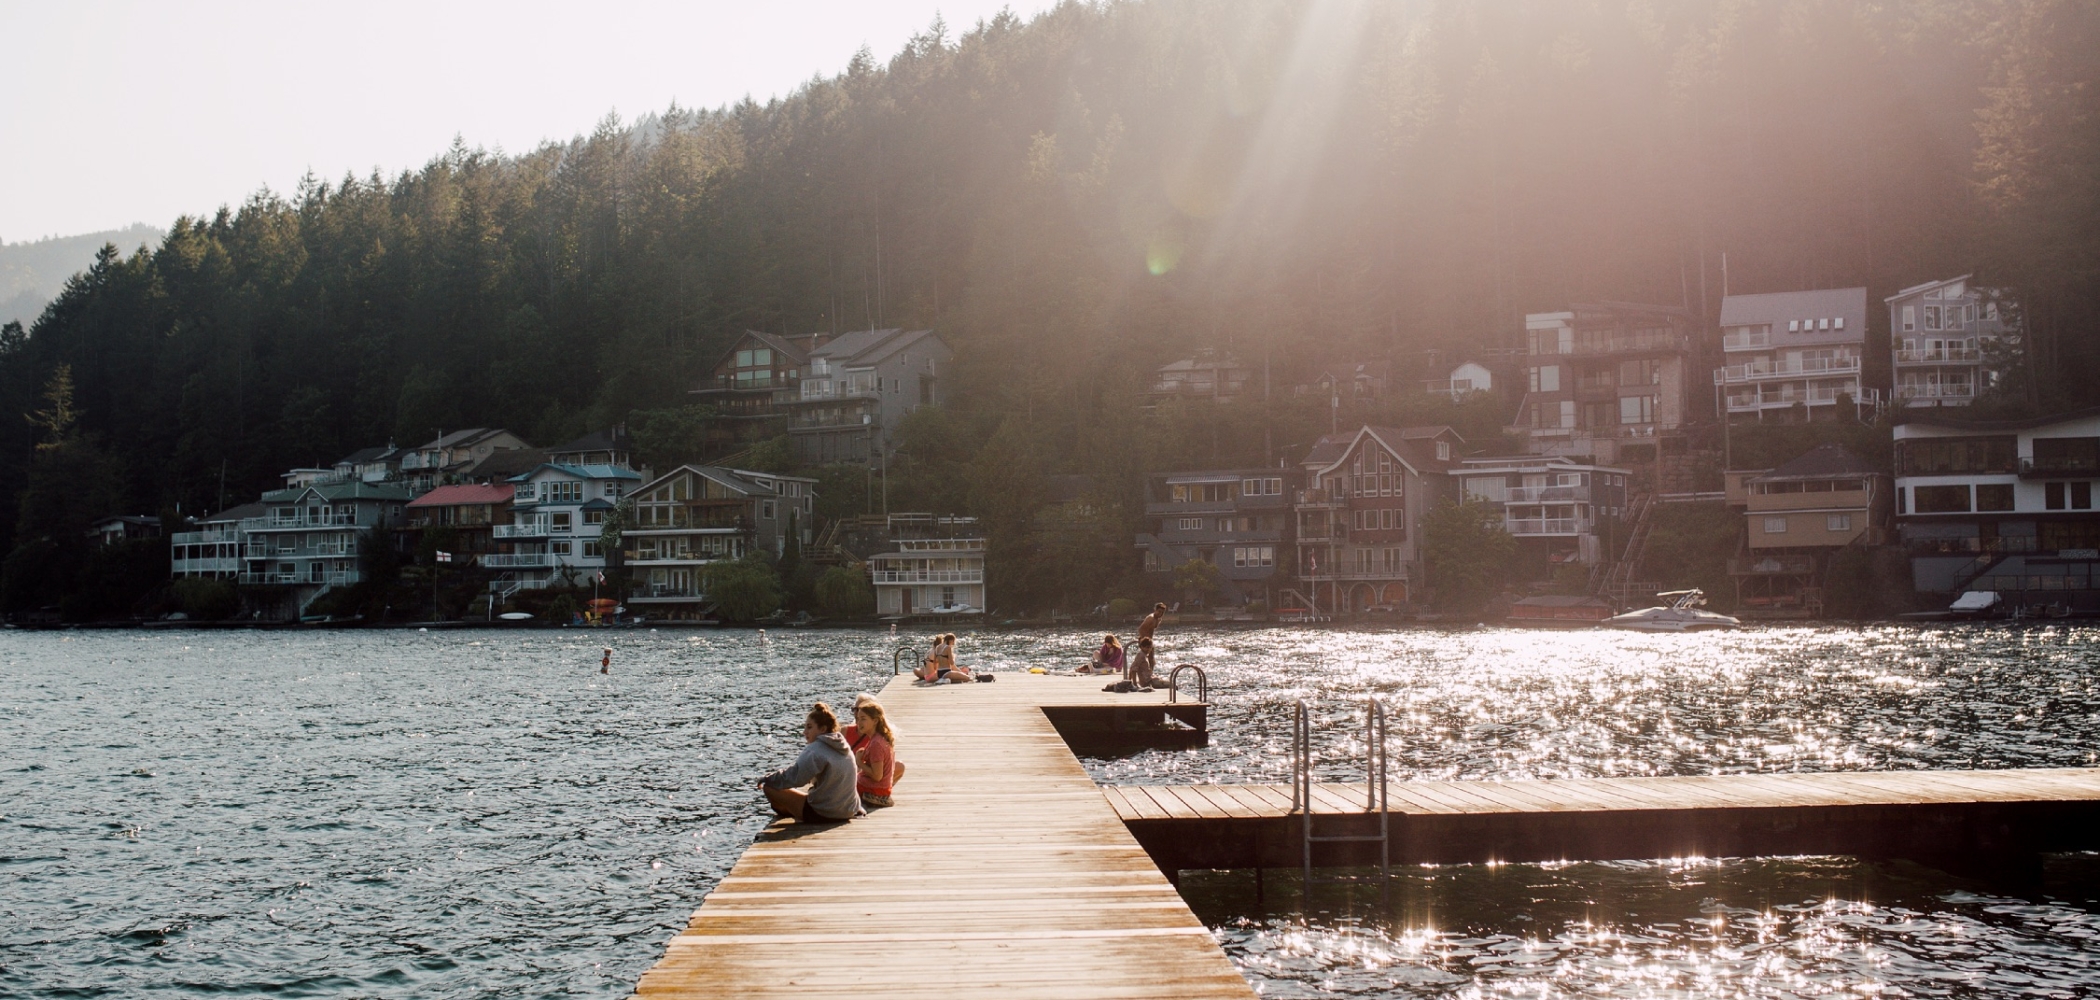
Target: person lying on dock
x=825 y=766
x=1108 y=659
x=874 y=752
x=940 y=663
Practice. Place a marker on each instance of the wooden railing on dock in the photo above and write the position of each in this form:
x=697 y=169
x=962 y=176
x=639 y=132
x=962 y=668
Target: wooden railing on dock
x=1001 y=872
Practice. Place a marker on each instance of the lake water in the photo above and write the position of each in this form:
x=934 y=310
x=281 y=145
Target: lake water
x=482 y=814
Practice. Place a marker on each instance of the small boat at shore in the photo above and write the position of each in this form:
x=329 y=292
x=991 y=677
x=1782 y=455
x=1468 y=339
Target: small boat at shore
x=1682 y=614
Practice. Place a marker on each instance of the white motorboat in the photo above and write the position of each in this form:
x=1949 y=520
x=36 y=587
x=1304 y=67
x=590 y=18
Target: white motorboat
x=1682 y=614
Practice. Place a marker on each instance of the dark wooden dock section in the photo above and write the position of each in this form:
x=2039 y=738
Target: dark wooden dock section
x=1001 y=872
x=1988 y=823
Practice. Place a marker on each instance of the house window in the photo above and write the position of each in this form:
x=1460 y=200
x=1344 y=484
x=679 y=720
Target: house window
x=765 y=509
x=1994 y=496
x=557 y=548
x=947 y=597
x=2053 y=495
x=1910 y=317
x=1636 y=409
x=1838 y=522
x=1775 y=526
x=2081 y=496
x=594 y=517
x=1940 y=499
x=2074 y=496
x=592 y=550
x=1191 y=524
x=1545 y=378
x=559 y=521
x=1932 y=317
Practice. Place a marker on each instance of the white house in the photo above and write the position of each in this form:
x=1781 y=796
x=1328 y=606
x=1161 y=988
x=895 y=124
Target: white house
x=2004 y=505
x=557 y=515
x=937 y=567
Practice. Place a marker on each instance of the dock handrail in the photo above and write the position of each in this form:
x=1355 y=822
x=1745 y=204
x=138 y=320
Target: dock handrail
x=898 y=652
x=1376 y=796
x=1174 y=683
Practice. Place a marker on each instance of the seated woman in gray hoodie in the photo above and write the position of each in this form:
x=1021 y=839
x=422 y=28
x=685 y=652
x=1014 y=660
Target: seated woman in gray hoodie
x=826 y=766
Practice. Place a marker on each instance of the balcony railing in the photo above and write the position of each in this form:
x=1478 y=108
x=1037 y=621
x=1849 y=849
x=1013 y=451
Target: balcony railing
x=517 y=560
x=1622 y=343
x=668 y=592
x=1789 y=395
x=1318 y=498
x=1959 y=390
x=1761 y=371
x=331 y=578
x=929 y=576
x=1546 y=525
x=207 y=535
x=1746 y=341
x=835 y=388
x=2062 y=466
x=1941 y=356
x=766 y=384
x=1546 y=494
x=530 y=529
x=273 y=522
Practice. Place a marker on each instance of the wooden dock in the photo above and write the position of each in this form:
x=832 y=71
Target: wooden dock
x=1993 y=824
x=1001 y=871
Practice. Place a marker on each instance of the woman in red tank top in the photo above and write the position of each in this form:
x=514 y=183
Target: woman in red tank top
x=874 y=746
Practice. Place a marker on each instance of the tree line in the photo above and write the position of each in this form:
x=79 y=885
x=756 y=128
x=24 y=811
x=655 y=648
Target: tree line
x=1072 y=200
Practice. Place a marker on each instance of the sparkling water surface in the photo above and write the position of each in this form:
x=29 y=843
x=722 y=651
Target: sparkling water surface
x=482 y=814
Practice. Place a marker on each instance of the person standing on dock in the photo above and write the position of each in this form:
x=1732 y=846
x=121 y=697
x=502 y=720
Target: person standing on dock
x=1151 y=623
x=826 y=766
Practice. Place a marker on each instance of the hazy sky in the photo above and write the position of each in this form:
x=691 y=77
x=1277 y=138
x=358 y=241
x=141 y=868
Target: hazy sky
x=114 y=113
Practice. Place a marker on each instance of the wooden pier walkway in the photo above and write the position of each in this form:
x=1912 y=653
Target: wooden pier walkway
x=1001 y=871
x=1990 y=823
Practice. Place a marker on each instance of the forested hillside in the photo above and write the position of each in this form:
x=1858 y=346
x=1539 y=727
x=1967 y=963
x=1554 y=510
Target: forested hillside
x=1075 y=199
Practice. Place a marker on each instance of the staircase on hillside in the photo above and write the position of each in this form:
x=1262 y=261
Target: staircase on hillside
x=1618 y=584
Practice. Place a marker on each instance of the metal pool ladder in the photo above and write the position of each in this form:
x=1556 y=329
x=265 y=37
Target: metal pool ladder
x=1375 y=797
x=898 y=652
x=1174 y=683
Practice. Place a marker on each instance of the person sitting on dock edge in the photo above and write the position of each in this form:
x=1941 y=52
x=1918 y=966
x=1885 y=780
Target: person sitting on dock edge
x=874 y=746
x=1139 y=673
x=1108 y=659
x=940 y=662
x=826 y=766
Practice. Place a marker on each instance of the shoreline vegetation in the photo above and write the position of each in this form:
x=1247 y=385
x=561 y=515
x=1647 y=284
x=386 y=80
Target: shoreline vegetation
x=1073 y=201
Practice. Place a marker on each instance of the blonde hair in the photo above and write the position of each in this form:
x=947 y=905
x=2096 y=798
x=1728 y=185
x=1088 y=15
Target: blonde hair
x=867 y=703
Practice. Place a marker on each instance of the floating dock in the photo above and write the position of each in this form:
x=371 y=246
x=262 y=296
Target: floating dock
x=1002 y=871
x=1993 y=824
x=1005 y=871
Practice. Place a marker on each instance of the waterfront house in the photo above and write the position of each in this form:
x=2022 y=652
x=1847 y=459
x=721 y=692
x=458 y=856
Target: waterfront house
x=1206 y=376
x=1939 y=335
x=1609 y=380
x=749 y=387
x=606 y=447
x=119 y=528
x=1464 y=380
x=1791 y=357
x=2004 y=505
x=372 y=465
x=557 y=515
x=312 y=538
x=466 y=513
x=695 y=515
x=441 y=460
x=1561 y=511
x=1797 y=517
x=855 y=390
x=212 y=547
x=1357 y=517
x=1238 y=520
x=935 y=566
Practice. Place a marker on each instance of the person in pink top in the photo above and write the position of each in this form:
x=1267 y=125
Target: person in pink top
x=1108 y=659
x=874 y=746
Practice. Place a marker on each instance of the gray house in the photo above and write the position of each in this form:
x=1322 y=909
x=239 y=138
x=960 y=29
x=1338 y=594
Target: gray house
x=1938 y=333
x=856 y=387
x=1236 y=519
x=1792 y=356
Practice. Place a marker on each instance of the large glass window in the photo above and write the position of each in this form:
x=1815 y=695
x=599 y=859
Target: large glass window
x=2067 y=454
x=1994 y=496
x=1940 y=456
x=1941 y=499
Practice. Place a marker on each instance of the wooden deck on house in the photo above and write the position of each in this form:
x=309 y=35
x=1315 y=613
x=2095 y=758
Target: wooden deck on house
x=1001 y=871
x=1971 y=822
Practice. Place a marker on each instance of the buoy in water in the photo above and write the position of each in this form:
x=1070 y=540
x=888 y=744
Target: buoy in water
x=605 y=664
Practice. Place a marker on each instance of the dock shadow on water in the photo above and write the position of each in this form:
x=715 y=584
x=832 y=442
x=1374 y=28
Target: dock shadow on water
x=1774 y=927
x=482 y=814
